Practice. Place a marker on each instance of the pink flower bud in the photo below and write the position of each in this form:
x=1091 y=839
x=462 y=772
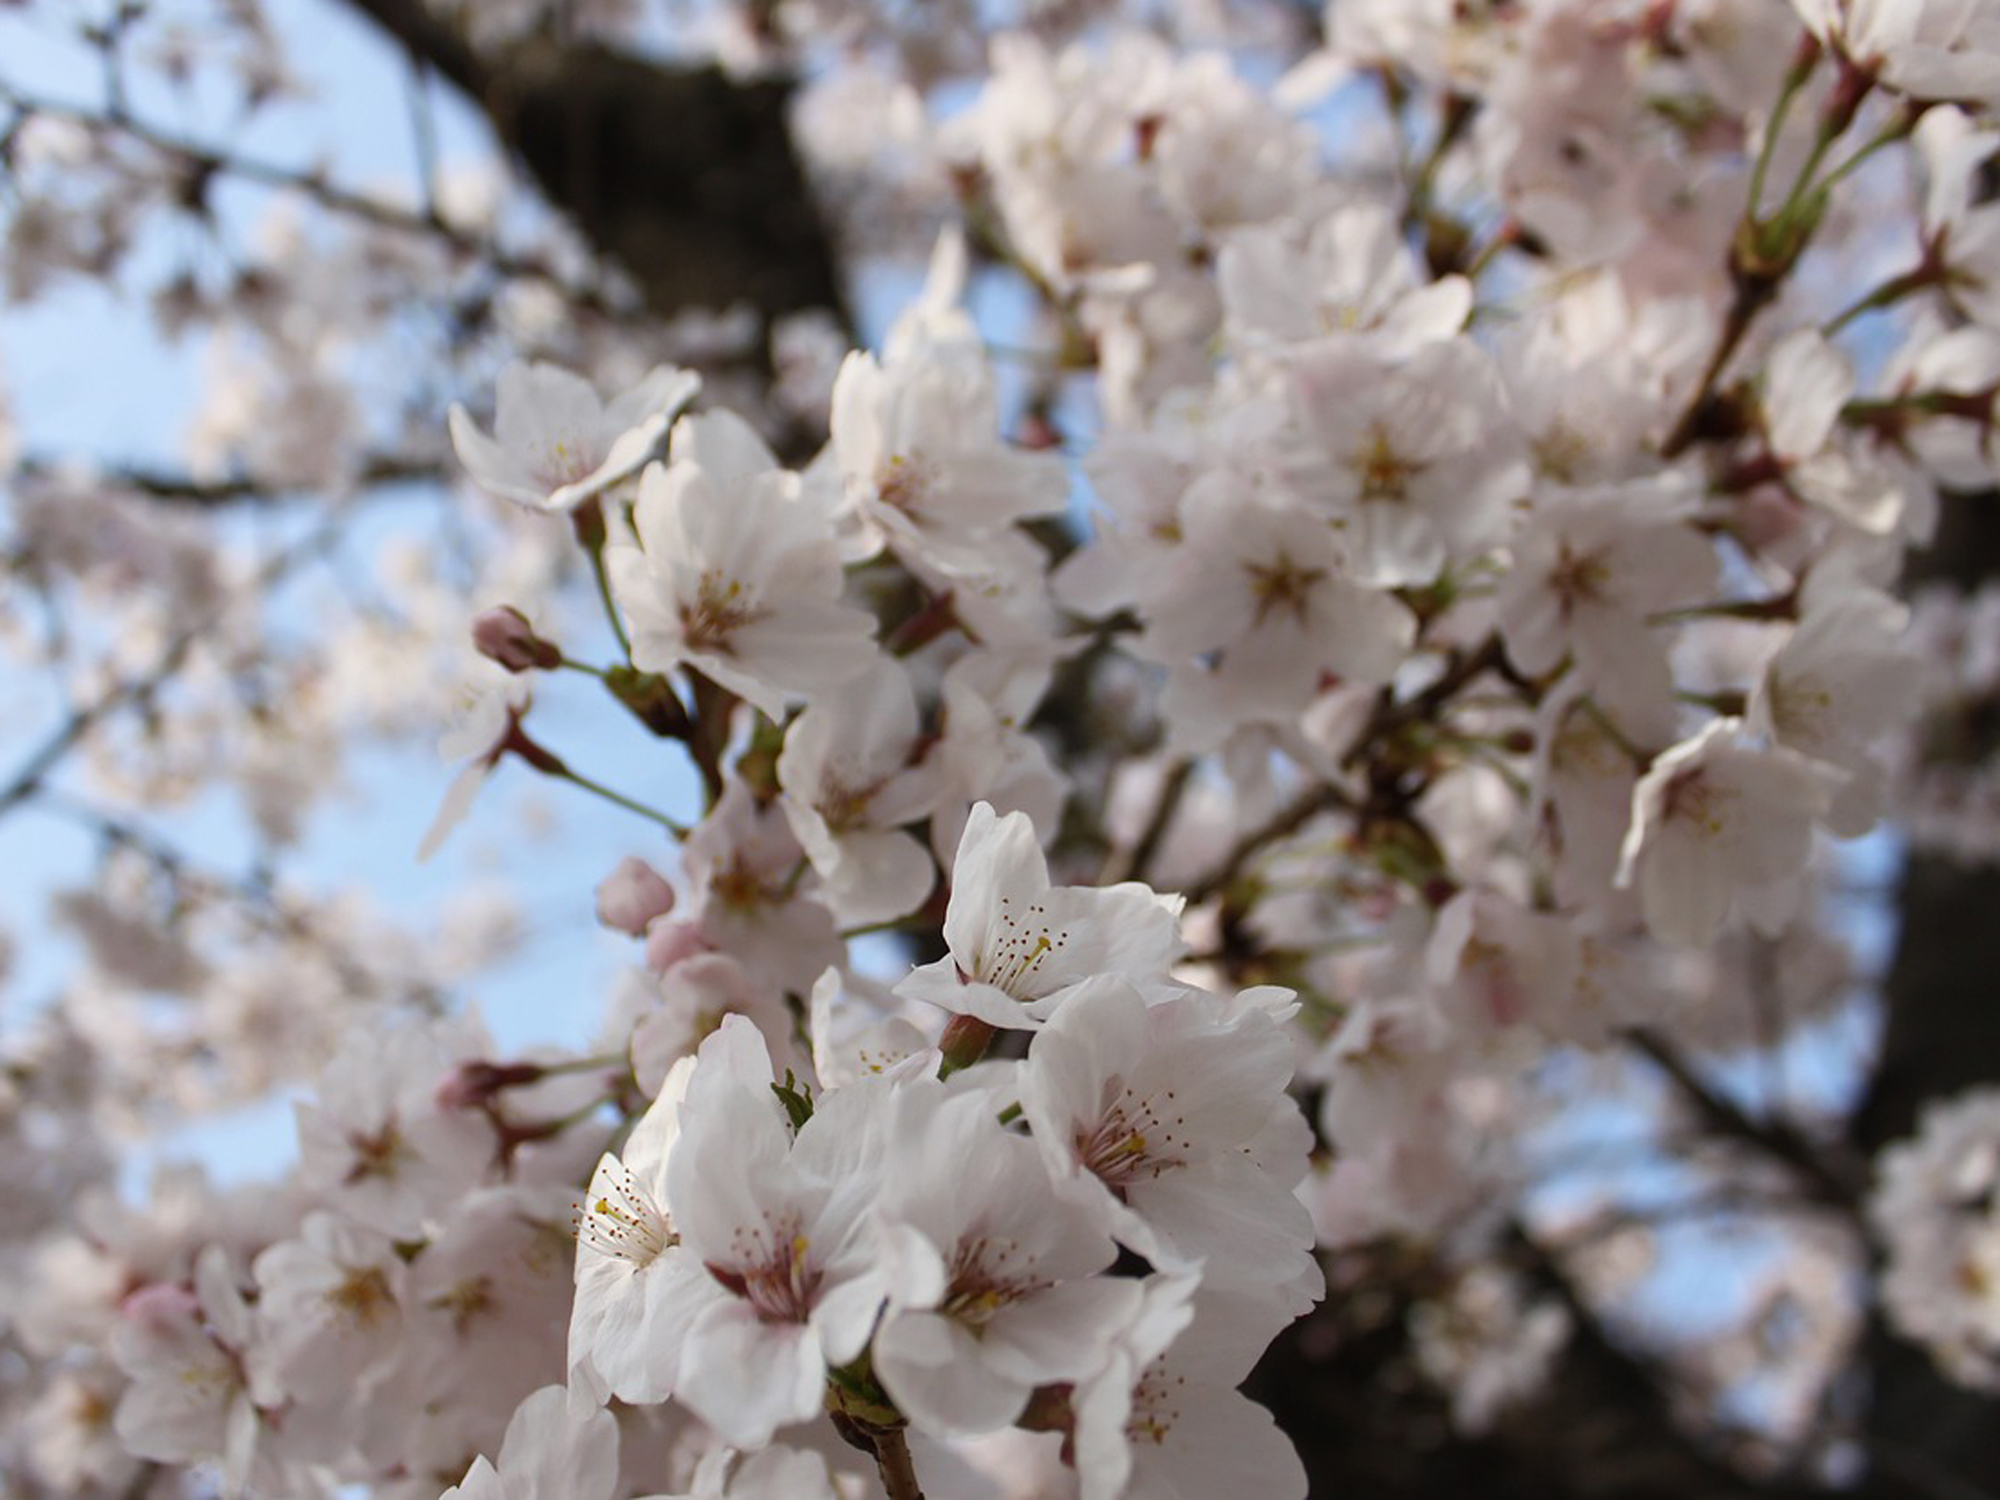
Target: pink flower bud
x=670 y=942
x=1769 y=518
x=631 y=896
x=504 y=635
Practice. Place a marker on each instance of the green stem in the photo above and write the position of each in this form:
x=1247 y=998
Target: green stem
x=1502 y=238
x=588 y=522
x=1801 y=70
x=1778 y=607
x=1455 y=113
x=912 y=923
x=597 y=788
x=1640 y=758
x=587 y=1064
x=610 y=606
x=1887 y=136
x=1890 y=292
x=965 y=1041
x=1802 y=185
x=1046 y=358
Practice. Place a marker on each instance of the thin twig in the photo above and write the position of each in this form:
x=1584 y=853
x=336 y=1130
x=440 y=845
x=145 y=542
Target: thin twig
x=1289 y=819
x=202 y=160
x=424 y=135
x=899 y=1474
x=185 y=489
x=28 y=777
x=1389 y=718
x=1131 y=863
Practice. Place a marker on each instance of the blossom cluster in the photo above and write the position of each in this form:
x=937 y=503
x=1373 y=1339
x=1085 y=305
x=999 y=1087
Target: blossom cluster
x=875 y=1240
x=1093 y=1240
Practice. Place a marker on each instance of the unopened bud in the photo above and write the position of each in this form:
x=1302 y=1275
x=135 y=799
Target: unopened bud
x=651 y=699
x=670 y=942
x=503 y=634
x=631 y=896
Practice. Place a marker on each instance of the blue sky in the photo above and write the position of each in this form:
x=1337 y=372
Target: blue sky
x=84 y=372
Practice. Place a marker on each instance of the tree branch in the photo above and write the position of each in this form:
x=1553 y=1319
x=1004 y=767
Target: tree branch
x=1823 y=1169
x=1390 y=717
x=201 y=160
x=29 y=775
x=684 y=176
x=205 y=494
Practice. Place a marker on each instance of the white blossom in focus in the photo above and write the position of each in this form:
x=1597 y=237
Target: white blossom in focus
x=632 y=1306
x=734 y=574
x=778 y=1223
x=1020 y=946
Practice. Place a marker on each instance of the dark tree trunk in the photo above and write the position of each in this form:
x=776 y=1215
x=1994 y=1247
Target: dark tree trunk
x=1941 y=1035
x=684 y=177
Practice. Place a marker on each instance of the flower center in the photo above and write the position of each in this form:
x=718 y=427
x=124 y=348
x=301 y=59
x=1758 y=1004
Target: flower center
x=1282 y=587
x=379 y=1153
x=1801 y=707
x=1155 y=1405
x=620 y=1218
x=1695 y=803
x=718 y=611
x=363 y=1298
x=1560 y=451
x=465 y=1302
x=844 y=806
x=776 y=1276
x=1577 y=577
x=1385 y=474
x=1136 y=1138
x=564 y=463
x=904 y=482
x=1018 y=950
x=983 y=1282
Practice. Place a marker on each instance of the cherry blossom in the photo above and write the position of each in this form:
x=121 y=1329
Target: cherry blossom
x=632 y=1292
x=555 y=445
x=777 y=1225
x=734 y=574
x=992 y=1285
x=1321 y=663
x=1021 y=946
x=1714 y=820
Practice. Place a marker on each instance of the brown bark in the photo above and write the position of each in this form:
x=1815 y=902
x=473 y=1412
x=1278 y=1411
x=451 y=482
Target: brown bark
x=1369 y=1425
x=684 y=177
x=1941 y=1035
